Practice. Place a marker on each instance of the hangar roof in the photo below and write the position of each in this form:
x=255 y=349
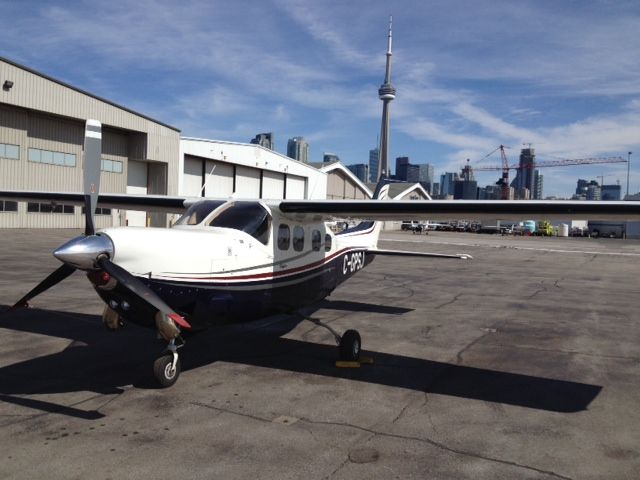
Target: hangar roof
x=84 y=92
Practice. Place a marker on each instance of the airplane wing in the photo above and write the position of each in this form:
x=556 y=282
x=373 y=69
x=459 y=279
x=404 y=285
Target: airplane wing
x=458 y=209
x=150 y=203
x=382 y=210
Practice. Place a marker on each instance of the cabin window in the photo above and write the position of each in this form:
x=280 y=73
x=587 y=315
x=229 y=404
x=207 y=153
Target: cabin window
x=284 y=237
x=316 y=240
x=298 y=238
x=327 y=242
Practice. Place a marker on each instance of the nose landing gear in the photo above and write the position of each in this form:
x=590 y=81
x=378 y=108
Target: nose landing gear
x=166 y=368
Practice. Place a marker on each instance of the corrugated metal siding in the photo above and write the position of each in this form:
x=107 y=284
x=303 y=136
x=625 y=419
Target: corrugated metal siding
x=55 y=121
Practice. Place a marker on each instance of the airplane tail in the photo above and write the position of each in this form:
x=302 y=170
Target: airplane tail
x=370 y=229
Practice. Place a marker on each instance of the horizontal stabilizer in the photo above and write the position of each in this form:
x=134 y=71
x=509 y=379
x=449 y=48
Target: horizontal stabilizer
x=402 y=253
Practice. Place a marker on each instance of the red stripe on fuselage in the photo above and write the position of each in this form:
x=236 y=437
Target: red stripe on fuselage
x=257 y=276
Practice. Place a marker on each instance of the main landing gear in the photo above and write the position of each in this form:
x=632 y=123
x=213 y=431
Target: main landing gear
x=349 y=344
x=166 y=368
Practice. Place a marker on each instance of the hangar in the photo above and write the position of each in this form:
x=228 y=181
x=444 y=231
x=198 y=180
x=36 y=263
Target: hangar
x=41 y=140
x=214 y=168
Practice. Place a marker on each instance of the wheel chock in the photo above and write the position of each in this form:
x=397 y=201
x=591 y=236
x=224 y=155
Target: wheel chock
x=357 y=364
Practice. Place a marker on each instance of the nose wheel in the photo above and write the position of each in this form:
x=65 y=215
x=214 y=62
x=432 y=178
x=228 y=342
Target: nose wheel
x=166 y=368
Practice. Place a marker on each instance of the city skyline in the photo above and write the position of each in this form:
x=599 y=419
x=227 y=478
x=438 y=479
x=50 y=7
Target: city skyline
x=568 y=84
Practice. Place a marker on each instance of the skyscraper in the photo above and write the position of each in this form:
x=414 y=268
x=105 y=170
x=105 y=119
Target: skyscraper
x=525 y=175
x=402 y=164
x=298 y=149
x=425 y=176
x=447 y=182
x=374 y=158
x=611 y=192
x=386 y=93
x=360 y=170
x=330 y=157
x=265 y=140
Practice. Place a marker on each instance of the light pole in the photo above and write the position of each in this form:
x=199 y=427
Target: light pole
x=628 y=170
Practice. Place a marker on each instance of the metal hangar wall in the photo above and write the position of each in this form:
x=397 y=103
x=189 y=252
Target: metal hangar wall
x=41 y=140
x=218 y=169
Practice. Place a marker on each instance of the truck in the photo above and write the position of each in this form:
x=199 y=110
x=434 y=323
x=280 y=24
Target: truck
x=545 y=229
x=606 y=229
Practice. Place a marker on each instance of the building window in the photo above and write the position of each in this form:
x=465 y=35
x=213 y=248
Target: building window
x=114 y=166
x=298 y=238
x=100 y=211
x=327 y=243
x=8 y=206
x=52 y=158
x=33 y=207
x=316 y=240
x=9 y=151
x=284 y=237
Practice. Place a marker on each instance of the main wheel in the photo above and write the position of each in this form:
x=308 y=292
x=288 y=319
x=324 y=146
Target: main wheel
x=349 y=348
x=163 y=370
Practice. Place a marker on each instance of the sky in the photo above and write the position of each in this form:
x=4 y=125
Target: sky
x=562 y=75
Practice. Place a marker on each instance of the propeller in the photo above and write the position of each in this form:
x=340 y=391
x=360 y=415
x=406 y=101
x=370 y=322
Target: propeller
x=90 y=251
x=166 y=319
x=92 y=152
x=57 y=276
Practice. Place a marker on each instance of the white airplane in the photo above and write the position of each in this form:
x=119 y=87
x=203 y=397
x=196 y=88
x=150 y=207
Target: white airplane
x=240 y=260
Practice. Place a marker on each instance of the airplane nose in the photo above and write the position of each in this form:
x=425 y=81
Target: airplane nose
x=82 y=252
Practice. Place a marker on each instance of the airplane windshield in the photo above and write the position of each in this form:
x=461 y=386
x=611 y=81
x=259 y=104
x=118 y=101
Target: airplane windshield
x=249 y=217
x=197 y=212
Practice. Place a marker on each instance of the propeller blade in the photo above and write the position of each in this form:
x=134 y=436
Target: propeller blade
x=167 y=320
x=56 y=277
x=92 y=153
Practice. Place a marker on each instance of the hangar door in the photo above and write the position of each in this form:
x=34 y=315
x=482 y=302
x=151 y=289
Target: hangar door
x=272 y=185
x=219 y=182
x=296 y=187
x=247 y=182
x=192 y=180
x=136 y=184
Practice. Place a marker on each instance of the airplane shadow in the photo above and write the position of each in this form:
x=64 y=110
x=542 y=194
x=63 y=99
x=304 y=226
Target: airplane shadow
x=362 y=307
x=103 y=362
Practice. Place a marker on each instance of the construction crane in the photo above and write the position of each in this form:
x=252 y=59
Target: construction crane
x=563 y=162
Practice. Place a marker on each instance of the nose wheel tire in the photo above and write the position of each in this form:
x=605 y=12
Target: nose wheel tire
x=165 y=371
x=349 y=347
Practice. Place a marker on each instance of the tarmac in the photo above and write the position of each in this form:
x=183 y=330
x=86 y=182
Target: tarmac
x=522 y=363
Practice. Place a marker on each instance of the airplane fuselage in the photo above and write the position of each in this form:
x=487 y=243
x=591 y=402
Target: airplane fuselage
x=213 y=275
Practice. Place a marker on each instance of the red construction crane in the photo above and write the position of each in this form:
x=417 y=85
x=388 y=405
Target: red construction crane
x=564 y=162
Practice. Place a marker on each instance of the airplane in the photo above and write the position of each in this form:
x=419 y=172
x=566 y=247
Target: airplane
x=237 y=260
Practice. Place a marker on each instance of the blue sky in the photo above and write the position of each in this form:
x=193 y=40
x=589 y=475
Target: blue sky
x=470 y=75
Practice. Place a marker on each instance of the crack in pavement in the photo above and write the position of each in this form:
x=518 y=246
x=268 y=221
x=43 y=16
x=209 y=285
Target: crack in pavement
x=470 y=345
x=542 y=289
x=375 y=433
x=455 y=299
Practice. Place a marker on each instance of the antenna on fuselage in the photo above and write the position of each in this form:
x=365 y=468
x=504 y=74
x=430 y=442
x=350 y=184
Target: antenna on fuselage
x=204 y=185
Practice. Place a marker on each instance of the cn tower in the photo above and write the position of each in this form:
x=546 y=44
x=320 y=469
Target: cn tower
x=386 y=93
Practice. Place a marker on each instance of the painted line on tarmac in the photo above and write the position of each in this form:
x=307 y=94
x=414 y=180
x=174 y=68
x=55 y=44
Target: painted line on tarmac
x=514 y=247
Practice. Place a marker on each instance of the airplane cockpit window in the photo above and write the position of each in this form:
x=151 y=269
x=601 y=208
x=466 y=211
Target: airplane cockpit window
x=197 y=212
x=248 y=217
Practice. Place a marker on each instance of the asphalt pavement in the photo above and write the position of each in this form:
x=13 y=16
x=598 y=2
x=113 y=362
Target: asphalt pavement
x=522 y=363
